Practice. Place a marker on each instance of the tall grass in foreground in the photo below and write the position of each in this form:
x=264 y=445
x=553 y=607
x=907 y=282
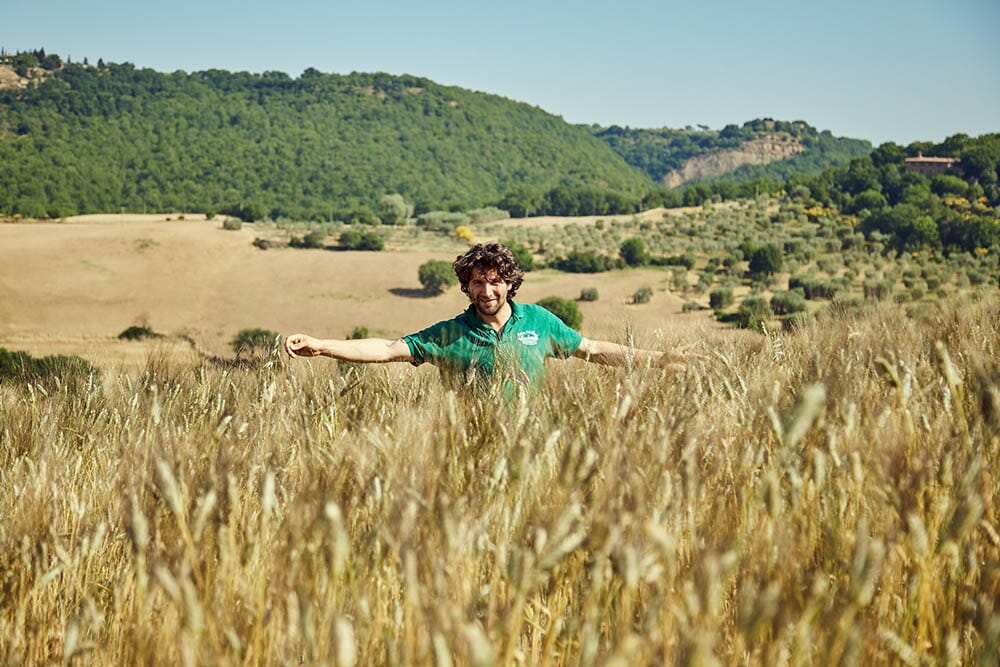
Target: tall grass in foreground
x=821 y=497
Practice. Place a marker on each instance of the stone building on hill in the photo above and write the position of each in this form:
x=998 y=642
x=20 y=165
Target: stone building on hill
x=930 y=166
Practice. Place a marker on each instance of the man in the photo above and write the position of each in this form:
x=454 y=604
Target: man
x=496 y=340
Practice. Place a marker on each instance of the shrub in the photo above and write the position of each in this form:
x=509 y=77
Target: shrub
x=877 y=290
x=487 y=214
x=353 y=239
x=254 y=341
x=679 y=277
x=753 y=312
x=441 y=221
x=588 y=294
x=463 y=232
x=522 y=254
x=720 y=298
x=786 y=303
x=362 y=215
x=687 y=260
x=232 y=224
x=564 y=309
x=812 y=287
x=436 y=276
x=767 y=259
x=634 y=252
x=394 y=210
x=263 y=244
x=584 y=261
x=136 y=332
x=21 y=367
x=642 y=295
x=690 y=307
x=795 y=321
x=311 y=240
x=358 y=333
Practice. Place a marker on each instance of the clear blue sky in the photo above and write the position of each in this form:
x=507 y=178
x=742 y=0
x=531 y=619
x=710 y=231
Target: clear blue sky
x=881 y=70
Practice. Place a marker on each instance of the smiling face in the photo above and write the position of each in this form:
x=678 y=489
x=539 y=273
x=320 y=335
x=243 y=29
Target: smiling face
x=487 y=291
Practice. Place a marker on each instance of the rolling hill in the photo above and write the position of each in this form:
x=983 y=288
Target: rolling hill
x=80 y=139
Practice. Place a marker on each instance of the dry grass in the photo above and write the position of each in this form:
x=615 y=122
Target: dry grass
x=828 y=496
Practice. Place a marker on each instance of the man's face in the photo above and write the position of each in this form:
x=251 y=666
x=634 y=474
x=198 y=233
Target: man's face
x=487 y=291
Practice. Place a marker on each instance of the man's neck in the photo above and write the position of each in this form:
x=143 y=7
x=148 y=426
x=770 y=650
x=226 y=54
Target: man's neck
x=498 y=320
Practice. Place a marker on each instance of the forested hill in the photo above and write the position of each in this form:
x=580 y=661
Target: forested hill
x=761 y=148
x=78 y=138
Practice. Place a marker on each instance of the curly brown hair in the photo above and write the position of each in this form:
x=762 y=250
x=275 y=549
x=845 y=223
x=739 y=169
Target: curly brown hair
x=490 y=256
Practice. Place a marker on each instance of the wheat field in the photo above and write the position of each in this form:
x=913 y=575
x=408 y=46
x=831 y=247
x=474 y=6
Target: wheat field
x=824 y=496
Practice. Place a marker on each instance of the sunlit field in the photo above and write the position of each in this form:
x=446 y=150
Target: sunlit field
x=826 y=495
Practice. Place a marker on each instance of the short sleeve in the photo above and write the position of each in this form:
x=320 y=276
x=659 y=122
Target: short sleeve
x=429 y=345
x=565 y=340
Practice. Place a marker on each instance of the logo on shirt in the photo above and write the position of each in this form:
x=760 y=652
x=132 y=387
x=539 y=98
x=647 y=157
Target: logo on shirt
x=527 y=337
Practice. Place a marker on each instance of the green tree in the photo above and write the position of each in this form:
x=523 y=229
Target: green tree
x=906 y=225
x=564 y=309
x=394 y=210
x=634 y=252
x=967 y=234
x=51 y=62
x=860 y=175
x=522 y=254
x=766 y=260
x=584 y=261
x=522 y=202
x=980 y=160
x=869 y=200
x=888 y=153
x=947 y=184
x=436 y=276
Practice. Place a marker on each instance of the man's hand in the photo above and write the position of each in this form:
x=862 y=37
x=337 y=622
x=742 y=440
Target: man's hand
x=614 y=354
x=678 y=358
x=301 y=345
x=366 y=350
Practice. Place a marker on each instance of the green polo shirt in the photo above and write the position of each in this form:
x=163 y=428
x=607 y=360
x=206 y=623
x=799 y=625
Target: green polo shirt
x=470 y=351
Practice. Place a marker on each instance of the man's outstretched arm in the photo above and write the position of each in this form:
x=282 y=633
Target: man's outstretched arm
x=614 y=354
x=365 y=350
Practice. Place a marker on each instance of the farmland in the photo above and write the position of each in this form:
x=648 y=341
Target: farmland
x=821 y=494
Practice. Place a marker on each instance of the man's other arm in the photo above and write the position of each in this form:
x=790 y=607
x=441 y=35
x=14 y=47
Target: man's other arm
x=614 y=354
x=365 y=350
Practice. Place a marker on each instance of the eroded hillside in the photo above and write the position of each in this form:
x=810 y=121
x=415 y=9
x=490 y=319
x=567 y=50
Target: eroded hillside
x=762 y=150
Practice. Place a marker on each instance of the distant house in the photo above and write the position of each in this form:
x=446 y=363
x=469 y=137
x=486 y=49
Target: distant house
x=930 y=166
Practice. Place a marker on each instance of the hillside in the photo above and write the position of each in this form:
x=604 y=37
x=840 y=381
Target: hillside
x=114 y=137
x=761 y=148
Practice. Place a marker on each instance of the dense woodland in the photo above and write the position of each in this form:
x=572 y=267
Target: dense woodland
x=110 y=137
x=83 y=138
x=956 y=211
